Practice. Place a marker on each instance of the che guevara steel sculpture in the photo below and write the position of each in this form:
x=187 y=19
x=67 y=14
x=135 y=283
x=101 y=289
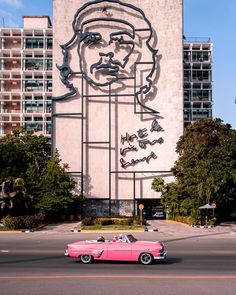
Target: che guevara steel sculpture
x=113 y=39
x=112 y=42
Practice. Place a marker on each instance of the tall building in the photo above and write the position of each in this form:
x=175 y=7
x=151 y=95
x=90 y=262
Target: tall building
x=26 y=76
x=197 y=79
x=118 y=89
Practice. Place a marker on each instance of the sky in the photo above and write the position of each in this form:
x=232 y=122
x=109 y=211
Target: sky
x=202 y=18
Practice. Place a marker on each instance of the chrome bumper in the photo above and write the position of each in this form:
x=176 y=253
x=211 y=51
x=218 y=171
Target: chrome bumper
x=162 y=256
x=66 y=253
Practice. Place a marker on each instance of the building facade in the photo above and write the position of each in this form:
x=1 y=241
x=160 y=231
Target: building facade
x=26 y=76
x=118 y=98
x=197 y=79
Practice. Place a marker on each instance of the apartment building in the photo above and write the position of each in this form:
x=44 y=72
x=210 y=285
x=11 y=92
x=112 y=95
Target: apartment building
x=26 y=76
x=197 y=79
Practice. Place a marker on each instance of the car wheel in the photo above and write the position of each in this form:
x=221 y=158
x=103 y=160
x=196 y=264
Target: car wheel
x=146 y=258
x=86 y=258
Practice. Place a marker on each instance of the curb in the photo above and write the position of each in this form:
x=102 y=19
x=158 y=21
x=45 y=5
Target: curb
x=151 y=229
x=177 y=222
x=76 y=230
x=202 y=226
x=10 y=231
x=27 y=231
x=106 y=231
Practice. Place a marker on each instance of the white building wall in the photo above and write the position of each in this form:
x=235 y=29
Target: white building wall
x=99 y=157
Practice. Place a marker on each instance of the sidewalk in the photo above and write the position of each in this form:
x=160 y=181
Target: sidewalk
x=177 y=229
x=171 y=228
x=61 y=227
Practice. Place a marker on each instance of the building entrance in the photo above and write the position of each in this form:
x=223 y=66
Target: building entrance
x=153 y=209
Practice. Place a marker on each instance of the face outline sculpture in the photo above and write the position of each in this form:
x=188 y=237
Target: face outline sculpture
x=104 y=51
x=105 y=68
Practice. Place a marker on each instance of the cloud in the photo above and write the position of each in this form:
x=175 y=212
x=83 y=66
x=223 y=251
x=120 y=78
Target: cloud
x=13 y=3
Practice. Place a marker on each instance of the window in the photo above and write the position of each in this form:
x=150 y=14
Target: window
x=187 y=114
x=49 y=85
x=201 y=95
x=48 y=106
x=31 y=85
x=200 y=56
x=186 y=75
x=187 y=95
x=34 y=64
x=33 y=126
x=33 y=106
x=49 y=64
x=34 y=43
x=49 y=43
x=186 y=55
x=201 y=114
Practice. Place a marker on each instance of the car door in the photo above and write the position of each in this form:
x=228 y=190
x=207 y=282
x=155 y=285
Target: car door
x=119 y=251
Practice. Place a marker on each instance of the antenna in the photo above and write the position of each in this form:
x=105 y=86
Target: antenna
x=3 y=22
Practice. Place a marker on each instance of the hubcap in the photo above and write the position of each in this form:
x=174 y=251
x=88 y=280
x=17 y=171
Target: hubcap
x=146 y=258
x=85 y=258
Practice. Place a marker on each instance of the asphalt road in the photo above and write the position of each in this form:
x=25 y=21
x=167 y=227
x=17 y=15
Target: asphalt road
x=197 y=264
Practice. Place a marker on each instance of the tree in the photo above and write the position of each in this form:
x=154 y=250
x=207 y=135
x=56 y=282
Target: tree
x=206 y=168
x=26 y=165
x=158 y=184
x=23 y=155
x=56 y=195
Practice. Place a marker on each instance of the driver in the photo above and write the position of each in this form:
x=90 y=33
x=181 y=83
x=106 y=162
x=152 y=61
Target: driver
x=101 y=239
x=121 y=238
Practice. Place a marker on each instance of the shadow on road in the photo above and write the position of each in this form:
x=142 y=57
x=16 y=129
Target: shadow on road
x=195 y=236
x=23 y=260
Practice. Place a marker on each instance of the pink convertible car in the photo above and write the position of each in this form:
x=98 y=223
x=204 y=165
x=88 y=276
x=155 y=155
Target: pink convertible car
x=125 y=248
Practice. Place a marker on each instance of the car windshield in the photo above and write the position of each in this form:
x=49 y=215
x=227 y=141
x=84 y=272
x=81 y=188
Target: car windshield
x=131 y=239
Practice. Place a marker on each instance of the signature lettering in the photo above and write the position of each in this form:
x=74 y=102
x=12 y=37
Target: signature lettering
x=142 y=133
x=143 y=143
x=128 y=138
x=141 y=138
x=156 y=126
x=123 y=152
x=133 y=162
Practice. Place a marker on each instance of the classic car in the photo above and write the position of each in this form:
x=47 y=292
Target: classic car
x=124 y=247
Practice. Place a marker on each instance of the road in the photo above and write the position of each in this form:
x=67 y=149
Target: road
x=33 y=263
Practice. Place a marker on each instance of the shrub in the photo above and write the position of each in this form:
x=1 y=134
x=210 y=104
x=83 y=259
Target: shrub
x=104 y=221
x=29 y=221
x=113 y=220
x=87 y=221
x=20 y=222
x=136 y=220
x=40 y=217
x=107 y=222
x=123 y=221
x=213 y=221
x=12 y=222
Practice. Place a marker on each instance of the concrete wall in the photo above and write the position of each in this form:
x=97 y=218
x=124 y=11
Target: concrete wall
x=100 y=160
x=36 y=22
